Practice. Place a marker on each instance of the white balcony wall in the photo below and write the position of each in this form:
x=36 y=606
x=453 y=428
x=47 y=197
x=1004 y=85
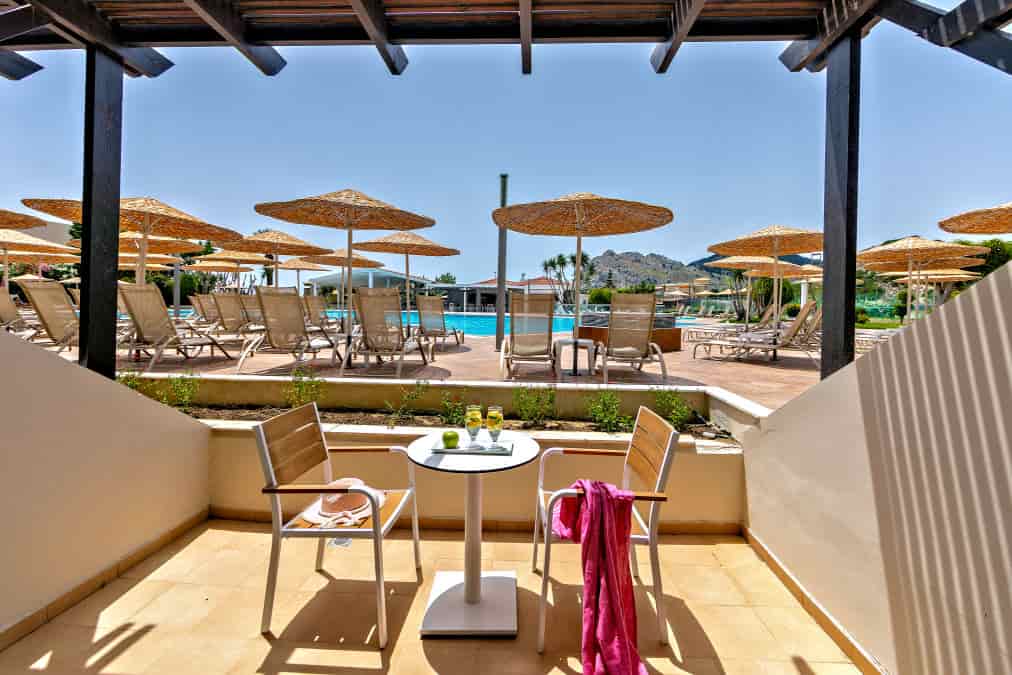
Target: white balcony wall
x=886 y=490
x=92 y=472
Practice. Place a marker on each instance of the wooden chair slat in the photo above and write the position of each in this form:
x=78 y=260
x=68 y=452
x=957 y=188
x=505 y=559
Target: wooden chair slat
x=282 y=425
x=393 y=501
x=298 y=459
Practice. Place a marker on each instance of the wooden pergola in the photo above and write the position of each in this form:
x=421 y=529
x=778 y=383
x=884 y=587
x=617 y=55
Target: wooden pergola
x=122 y=36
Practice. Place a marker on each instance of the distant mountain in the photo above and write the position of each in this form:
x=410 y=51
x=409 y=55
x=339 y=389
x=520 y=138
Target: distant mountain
x=631 y=267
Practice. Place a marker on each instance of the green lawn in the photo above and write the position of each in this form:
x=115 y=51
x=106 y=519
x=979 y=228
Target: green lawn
x=877 y=323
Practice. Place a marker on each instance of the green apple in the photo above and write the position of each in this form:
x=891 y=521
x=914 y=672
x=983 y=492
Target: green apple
x=450 y=439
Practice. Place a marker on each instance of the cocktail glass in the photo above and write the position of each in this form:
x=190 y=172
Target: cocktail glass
x=494 y=423
x=472 y=421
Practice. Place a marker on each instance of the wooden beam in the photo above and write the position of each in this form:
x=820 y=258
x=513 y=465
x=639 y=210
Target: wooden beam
x=20 y=20
x=83 y=19
x=13 y=66
x=966 y=19
x=103 y=138
x=373 y=19
x=836 y=19
x=683 y=15
x=989 y=46
x=843 y=106
x=225 y=19
x=526 y=35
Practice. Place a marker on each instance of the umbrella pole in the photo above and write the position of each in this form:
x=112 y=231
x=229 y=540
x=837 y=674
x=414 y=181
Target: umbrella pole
x=910 y=274
x=142 y=252
x=576 y=292
x=298 y=282
x=748 y=302
x=7 y=270
x=407 y=286
x=348 y=291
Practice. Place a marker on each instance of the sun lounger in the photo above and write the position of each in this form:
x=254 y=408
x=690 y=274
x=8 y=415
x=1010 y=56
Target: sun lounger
x=432 y=321
x=285 y=330
x=770 y=341
x=12 y=321
x=55 y=312
x=530 y=337
x=155 y=330
x=379 y=310
x=630 y=327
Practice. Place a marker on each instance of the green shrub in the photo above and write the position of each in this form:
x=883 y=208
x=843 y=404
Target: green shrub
x=131 y=379
x=599 y=296
x=181 y=391
x=534 y=405
x=900 y=308
x=861 y=315
x=305 y=388
x=793 y=309
x=404 y=411
x=452 y=410
x=672 y=407
x=604 y=410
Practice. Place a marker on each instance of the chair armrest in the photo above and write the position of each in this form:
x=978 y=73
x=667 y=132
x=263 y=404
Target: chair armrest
x=359 y=448
x=593 y=451
x=304 y=488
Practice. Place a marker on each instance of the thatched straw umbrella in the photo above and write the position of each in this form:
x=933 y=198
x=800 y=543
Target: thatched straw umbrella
x=339 y=258
x=130 y=242
x=744 y=263
x=12 y=220
x=145 y=215
x=940 y=263
x=580 y=215
x=994 y=220
x=275 y=243
x=409 y=244
x=348 y=210
x=916 y=252
x=36 y=259
x=774 y=241
x=300 y=265
x=14 y=241
x=234 y=258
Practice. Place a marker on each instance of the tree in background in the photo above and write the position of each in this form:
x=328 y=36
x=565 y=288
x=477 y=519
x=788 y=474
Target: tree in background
x=446 y=278
x=610 y=281
x=1000 y=254
x=561 y=270
x=600 y=296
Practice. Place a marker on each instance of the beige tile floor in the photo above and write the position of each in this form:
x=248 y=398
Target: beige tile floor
x=194 y=608
x=770 y=383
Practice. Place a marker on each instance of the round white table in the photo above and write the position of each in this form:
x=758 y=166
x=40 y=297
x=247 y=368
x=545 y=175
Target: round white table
x=472 y=602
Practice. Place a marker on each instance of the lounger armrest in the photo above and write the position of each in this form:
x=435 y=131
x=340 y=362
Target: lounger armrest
x=640 y=496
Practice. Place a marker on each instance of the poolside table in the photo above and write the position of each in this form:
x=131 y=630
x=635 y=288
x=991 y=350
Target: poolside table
x=576 y=344
x=472 y=602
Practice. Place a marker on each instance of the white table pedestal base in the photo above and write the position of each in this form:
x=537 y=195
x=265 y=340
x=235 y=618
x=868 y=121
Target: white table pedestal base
x=448 y=614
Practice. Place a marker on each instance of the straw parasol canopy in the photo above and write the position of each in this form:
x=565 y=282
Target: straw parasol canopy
x=409 y=244
x=918 y=250
x=31 y=258
x=237 y=257
x=212 y=266
x=12 y=220
x=299 y=266
x=149 y=267
x=145 y=215
x=157 y=258
x=348 y=210
x=13 y=240
x=130 y=242
x=957 y=275
x=276 y=244
x=741 y=262
x=775 y=241
x=339 y=258
x=935 y=272
x=901 y=266
x=994 y=220
x=581 y=214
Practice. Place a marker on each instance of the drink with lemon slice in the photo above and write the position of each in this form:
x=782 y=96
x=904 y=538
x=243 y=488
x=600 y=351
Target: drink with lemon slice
x=472 y=421
x=494 y=423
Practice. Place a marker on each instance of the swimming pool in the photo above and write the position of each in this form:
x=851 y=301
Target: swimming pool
x=484 y=324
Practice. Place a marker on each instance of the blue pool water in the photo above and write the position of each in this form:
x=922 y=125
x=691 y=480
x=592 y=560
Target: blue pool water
x=484 y=324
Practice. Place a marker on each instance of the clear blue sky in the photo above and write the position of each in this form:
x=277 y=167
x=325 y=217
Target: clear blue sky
x=729 y=139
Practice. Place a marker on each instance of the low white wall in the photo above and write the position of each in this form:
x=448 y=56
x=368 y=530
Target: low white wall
x=705 y=489
x=886 y=490
x=92 y=472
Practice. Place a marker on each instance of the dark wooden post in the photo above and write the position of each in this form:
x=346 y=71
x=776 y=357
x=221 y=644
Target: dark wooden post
x=103 y=126
x=500 y=281
x=843 y=103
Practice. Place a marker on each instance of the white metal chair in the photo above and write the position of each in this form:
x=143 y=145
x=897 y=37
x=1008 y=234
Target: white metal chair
x=290 y=445
x=649 y=455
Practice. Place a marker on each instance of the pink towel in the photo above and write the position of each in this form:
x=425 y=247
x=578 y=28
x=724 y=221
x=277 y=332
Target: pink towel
x=600 y=522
